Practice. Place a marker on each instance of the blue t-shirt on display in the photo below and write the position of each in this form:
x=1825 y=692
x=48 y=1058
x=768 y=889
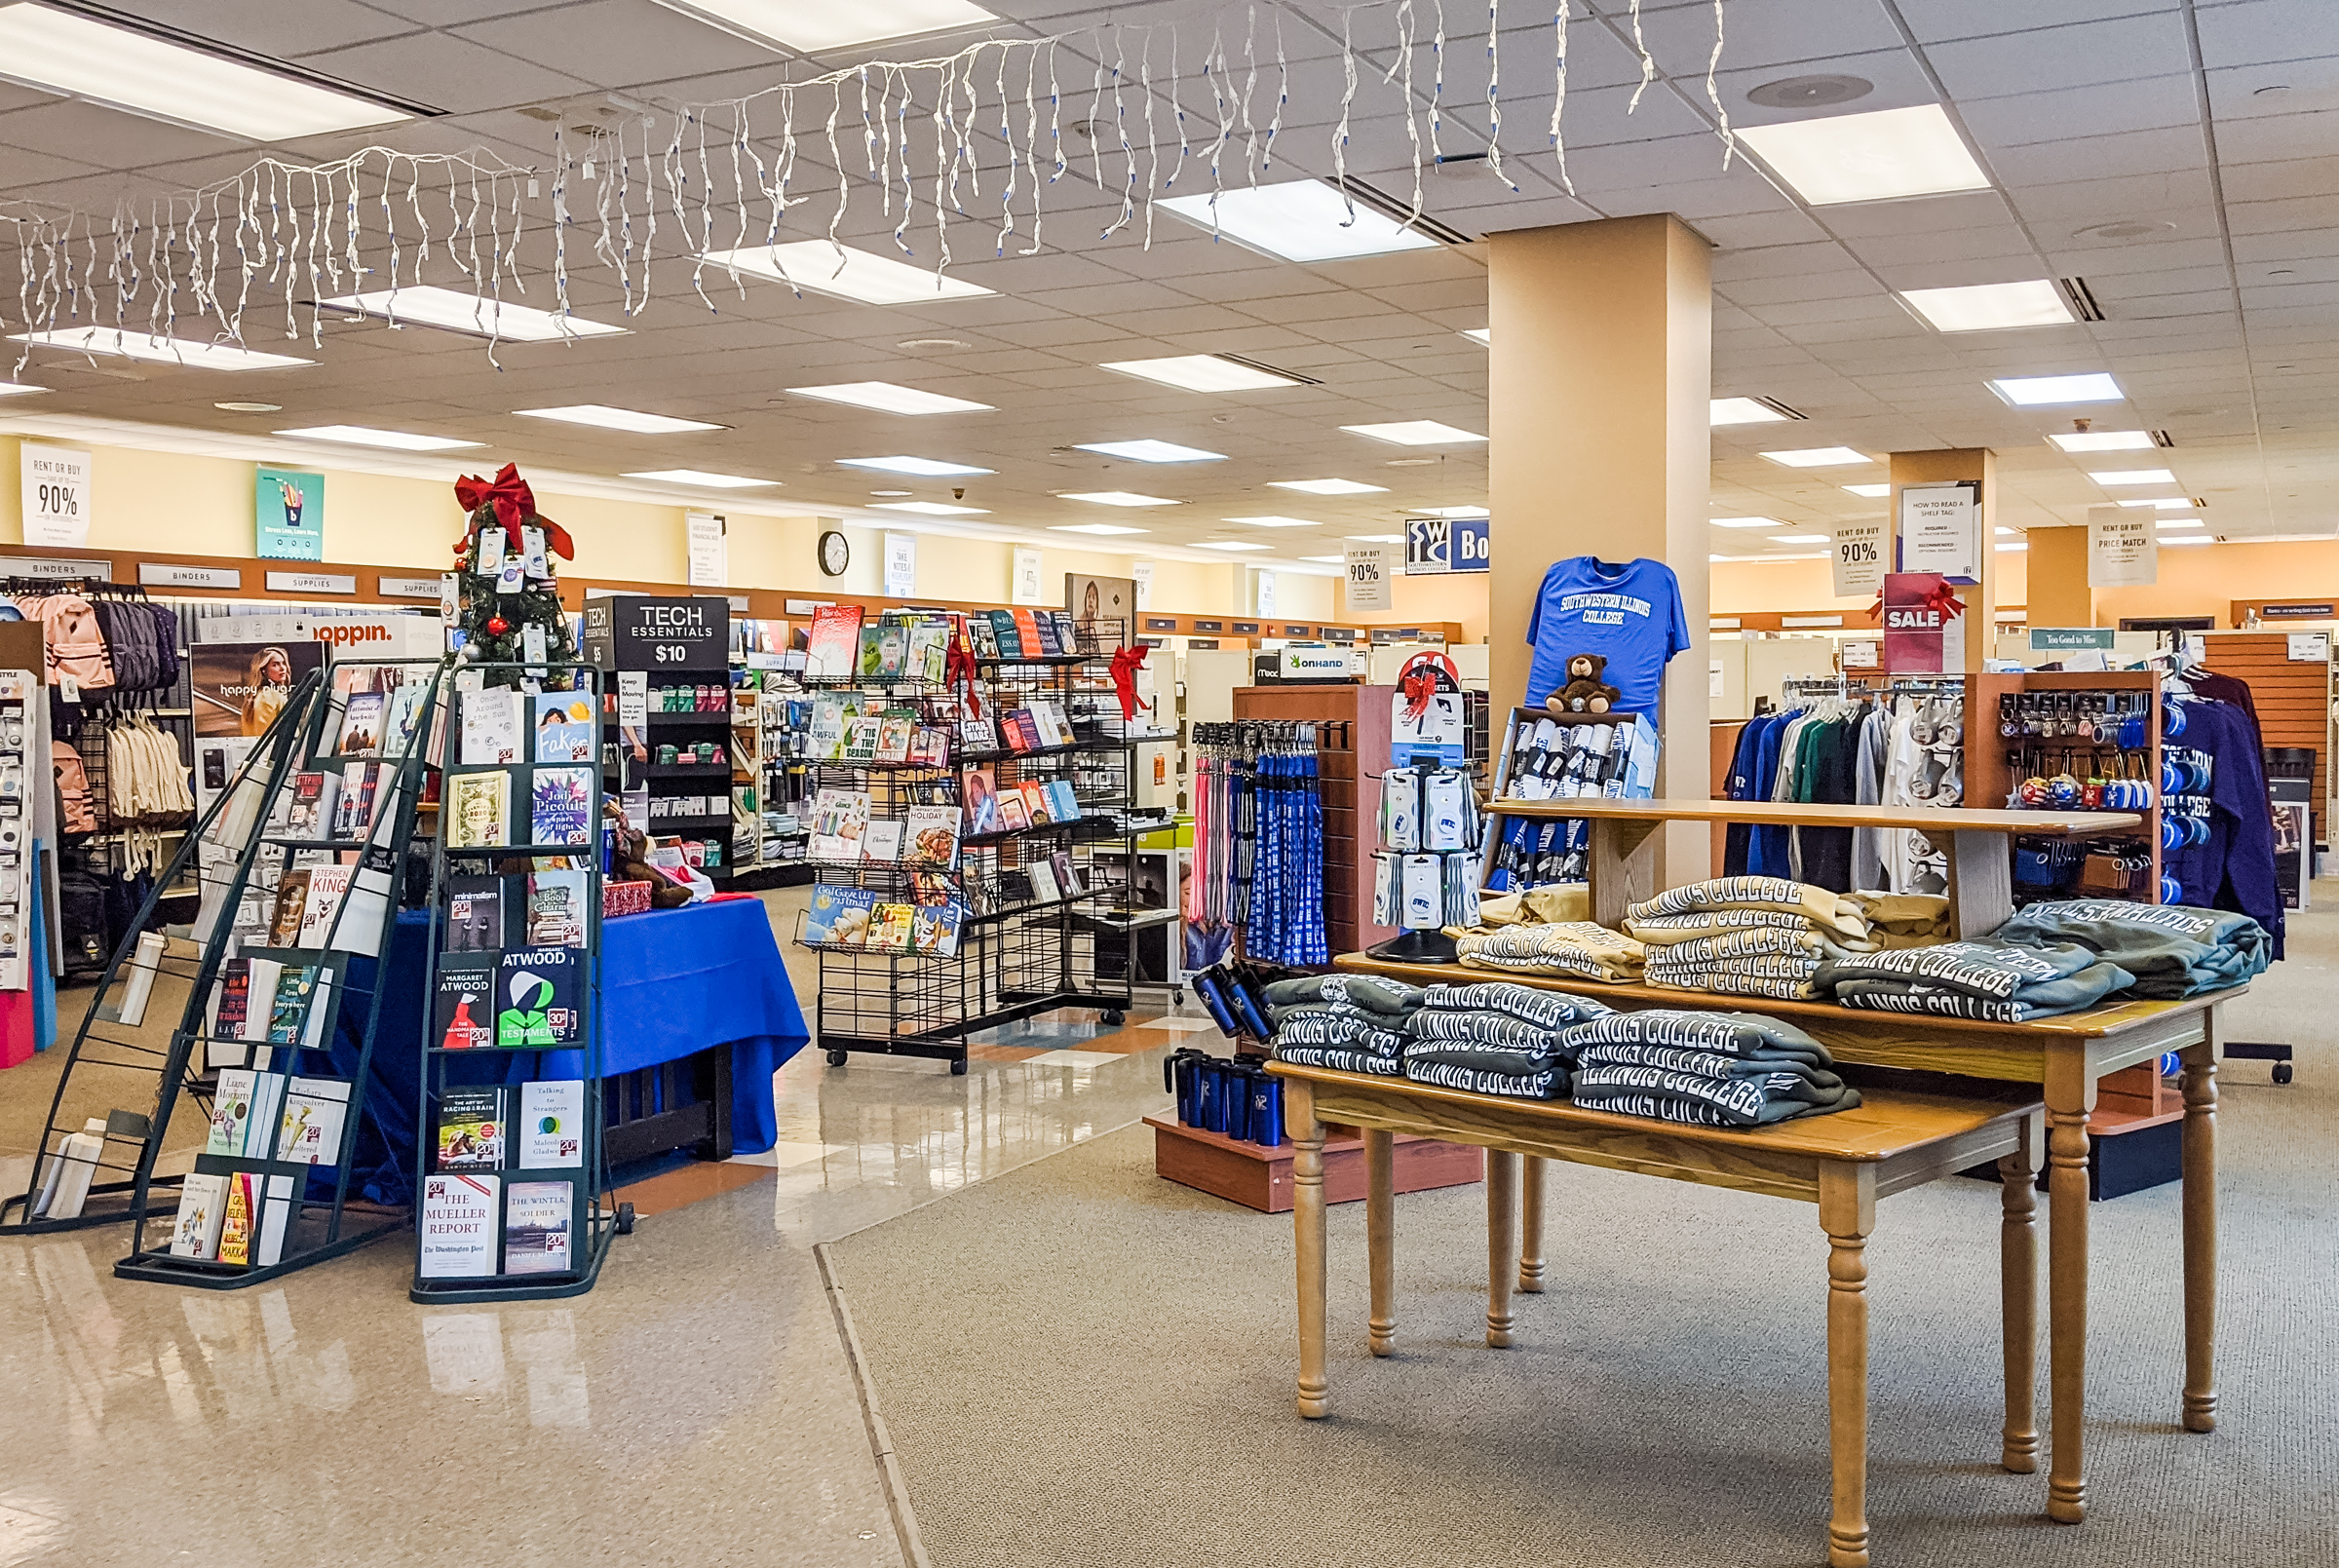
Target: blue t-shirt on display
x=1630 y=613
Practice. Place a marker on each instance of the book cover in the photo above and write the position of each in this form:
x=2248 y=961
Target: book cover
x=978 y=735
x=401 y=717
x=882 y=842
x=839 y=917
x=565 y=729
x=309 y=1132
x=931 y=836
x=1045 y=627
x=1013 y=815
x=893 y=653
x=470 y=1129
x=456 y=1228
x=474 y=914
x=930 y=747
x=561 y=806
x=932 y=888
x=551 y=1124
x=979 y=798
x=835 y=643
x=870 y=659
x=895 y=731
x=261 y=1004
x=825 y=734
x=328 y=885
x=539 y=998
x=491 y=721
x=536 y=1227
x=289 y=1013
x=1035 y=802
x=935 y=932
x=1015 y=890
x=231 y=1111
x=1014 y=731
x=310 y=812
x=276 y=1217
x=202 y=1210
x=861 y=736
x=1027 y=632
x=362 y=800
x=1043 y=881
x=462 y=1003
x=1064 y=801
x=267 y=1105
x=981 y=636
x=1004 y=633
x=235 y=1223
x=891 y=926
x=233 y=1004
x=478 y=810
x=556 y=908
x=840 y=821
x=929 y=652
x=361 y=726
x=1068 y=881
x=292 y=904
x=1067 y=631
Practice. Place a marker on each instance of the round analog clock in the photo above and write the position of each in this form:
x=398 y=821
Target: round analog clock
x=836 y=554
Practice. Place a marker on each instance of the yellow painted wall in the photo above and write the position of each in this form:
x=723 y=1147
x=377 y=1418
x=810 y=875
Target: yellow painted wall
x=1744 y=587
x=1459 y=596
x=2205 y=580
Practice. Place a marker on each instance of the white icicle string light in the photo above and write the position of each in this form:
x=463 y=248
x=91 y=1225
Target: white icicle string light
x=1648 y=63
x=1348 y=97
x=1559 y=23
x=1251 y=79
x=1403 y=66
x=1714 y=95
x=1494 y=93
x=1438 y=84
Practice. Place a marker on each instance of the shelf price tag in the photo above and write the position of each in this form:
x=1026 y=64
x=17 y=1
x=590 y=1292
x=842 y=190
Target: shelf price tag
x=56 y=495
x=1858 y=558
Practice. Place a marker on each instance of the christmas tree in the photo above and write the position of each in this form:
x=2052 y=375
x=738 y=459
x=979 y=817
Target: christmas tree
x=508 y=604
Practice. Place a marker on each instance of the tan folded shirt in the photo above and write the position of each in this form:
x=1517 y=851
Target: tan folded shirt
x=1819 y=906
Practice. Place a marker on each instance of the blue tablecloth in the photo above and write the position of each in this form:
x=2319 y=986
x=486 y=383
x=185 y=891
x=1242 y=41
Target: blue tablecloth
x=674 y=982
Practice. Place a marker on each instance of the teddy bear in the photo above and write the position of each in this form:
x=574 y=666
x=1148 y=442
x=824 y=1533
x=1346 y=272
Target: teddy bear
x=631 y=863
x=1584 y=692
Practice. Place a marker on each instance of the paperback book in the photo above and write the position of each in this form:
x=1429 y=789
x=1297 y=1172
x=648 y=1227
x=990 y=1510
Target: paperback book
x=565 y=729
x=1006 y=634
x=840 y=821
x=835 y=645
x=472 y=1129
x=463 y=1002
x=929 y=651
x=401 y=717
x=931 y=836
x=309 y=1132
x=539 y=998
x=1027 y=633
x=231 y=1112
x=930 y=748
x=314 y=797
x=882 y=842
x=981 y=635
x=862 y=737
x=325 y=888
x=457 y=1225
x=891 y=926
x=979 y=798
x=235 y=1223
x=1035 y=802
x=552 y=1125
x=556 y=908
x=491 y=722
x=839 y=917
x=1013 y=815
x=894 y=731
x=474 y=914
x=536 y=1215
x=361 y=726
x=478 y=810
x=292 y=902
x=202 y=1210
x=935 y=929
x=561 y=806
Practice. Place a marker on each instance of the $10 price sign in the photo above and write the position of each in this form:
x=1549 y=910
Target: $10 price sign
x=1858 y=556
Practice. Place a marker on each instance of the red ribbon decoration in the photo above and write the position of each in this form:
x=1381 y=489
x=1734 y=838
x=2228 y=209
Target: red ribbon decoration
x=1126 y=664
x=1941 y=599
x=958 y=669
x=513 y=502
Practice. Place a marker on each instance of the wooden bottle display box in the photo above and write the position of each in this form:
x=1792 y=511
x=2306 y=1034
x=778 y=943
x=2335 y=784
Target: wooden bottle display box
x=1260 y=1177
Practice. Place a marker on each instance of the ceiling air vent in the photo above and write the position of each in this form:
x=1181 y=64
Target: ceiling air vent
x=1389 y=207
x=2081 y=298
x=2161 y=437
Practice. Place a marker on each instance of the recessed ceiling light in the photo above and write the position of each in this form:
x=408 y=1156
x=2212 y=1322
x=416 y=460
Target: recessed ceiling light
x=1799 y=539
x=1117 y=498
x=1820 y=457
x=1151 y=451
x=1229 y=544
x=888 y=398
x=1479 y=335
x=1412 y=462
x=227 y=407
x=2133 y=475
x=2003 y=532
x=1747 y=522
x=703 y=478
x=2103 y=440
x=1329 y=486
x=1810 y=92
x=2189 y=539
x=1990 y=307
x=136 y=345
x=917 y=344
x=1415 y=432
x=923 y=467
x=1298 y=220
x=814 y=25
x=1451 y=512
x=1874 y=492
x=2163 y=503
x=1376 y=539
x=1872 y=157
x=396 y=440
x=2042 y=391
x=11 y=389
x=450 y=310
x=933 y=509
x=2007 y=550
x=151 y=76
x=1204 y=373
x=893 y=492
x=1272 y=523
x=1093 y=528
x=2178 y=522
x=603 y=417
x=844 y=273
x=1329 y=560
x=1742 y=411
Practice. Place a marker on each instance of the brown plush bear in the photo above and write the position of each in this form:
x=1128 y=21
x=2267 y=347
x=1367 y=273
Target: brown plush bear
x=631 y=861
x=1584 y=692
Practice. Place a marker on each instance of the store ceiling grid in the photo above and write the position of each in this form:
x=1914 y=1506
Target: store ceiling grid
x=2202 y=134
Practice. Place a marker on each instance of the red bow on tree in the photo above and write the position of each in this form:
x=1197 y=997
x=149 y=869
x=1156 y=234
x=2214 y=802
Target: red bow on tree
x=958 y=670
x=514 y=502
x=1126 y=664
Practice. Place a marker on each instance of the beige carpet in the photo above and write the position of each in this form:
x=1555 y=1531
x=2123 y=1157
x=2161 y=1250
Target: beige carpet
x=1083 y=1364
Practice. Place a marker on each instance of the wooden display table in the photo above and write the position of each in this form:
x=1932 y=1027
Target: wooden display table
x=1843 y=1162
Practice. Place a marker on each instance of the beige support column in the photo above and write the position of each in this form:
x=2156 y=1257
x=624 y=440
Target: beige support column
x=1600 y=395
x=2058 y=594
x=1944 y=467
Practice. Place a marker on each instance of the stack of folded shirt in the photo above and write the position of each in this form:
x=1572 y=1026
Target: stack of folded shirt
x=1356 y=1023
x=1711 y=1069
x=1989 y=978
x=1556 y=902
x=1750 y=935
x=1578 y=949
x=1495 y=1038
x=1905 y=919
x=2172 y=949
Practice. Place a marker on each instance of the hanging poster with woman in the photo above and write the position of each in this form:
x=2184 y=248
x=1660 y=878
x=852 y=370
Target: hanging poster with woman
x=291 y=511
x=238 y=688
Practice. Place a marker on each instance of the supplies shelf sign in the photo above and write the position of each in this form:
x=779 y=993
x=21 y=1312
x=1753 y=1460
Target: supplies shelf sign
x=1447 y=545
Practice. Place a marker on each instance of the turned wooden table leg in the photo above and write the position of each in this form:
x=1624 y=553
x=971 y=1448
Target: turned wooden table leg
x=2019 y=1299
x=1848 y=1213
x=1307 y=1225
x=2070 y=1096
x=1380 y=1235
x=2199 y=1083
x=1502 y=1243
x=1531 y=1171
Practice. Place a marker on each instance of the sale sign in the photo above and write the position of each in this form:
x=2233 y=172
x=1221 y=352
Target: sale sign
x=1923 y=631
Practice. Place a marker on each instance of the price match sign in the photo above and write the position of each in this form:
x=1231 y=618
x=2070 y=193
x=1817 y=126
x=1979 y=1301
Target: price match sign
x=1860 y=549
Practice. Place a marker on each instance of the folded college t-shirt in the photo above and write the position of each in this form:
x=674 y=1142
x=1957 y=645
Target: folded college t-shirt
x=2172 y=949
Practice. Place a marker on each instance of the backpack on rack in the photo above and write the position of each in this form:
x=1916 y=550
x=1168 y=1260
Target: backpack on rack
x=76 y=813
x=129 y=639
x=72 y=643
x=81 y=915
x=166 y=643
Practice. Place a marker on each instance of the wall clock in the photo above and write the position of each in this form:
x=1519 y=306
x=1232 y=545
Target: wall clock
x=835 y=554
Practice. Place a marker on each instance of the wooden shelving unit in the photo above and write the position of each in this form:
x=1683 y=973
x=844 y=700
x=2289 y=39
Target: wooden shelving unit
x=1352 y=749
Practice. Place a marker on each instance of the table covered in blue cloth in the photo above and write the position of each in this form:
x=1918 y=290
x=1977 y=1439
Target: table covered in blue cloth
x=674 y=982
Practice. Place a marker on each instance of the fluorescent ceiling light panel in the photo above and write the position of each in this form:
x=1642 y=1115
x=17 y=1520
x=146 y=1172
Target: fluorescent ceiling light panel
x=933 y=509
x=1990 y=307
x=451 y=310
x=813 y=25
x=2133 y=475
x=1094 y=529
x=2005 y=550
x=10 y=389
x=1298 y=221
x=1229 y=544
x=603 y=417
x=2103 y=440
x=1799 y=539
x=1118 y=498
x=2046 y=391
x=148 y=75
x=1479 y=335
x=1329 y=560
x=1150 y=451
x=1414 y=433
x=2178 y=522
x=1820 y=457
x=1203 y=373
x=136 y=345
x=1874 y=492
x=1272 y=523
x=1871 y=157
x=924 y=467
x=1376 y=539
x=1320 y=486
x=396 y=440
x=1452 y=511
x=1742 y=411
x=1747 y=522
x=702 y=479
x=861 y=276
x=888 y=398
x=2190 y=540
x=2165 y=503
x=2003 y=532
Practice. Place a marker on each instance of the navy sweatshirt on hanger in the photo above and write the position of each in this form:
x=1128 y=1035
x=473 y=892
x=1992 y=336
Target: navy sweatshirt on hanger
x=2235 y=870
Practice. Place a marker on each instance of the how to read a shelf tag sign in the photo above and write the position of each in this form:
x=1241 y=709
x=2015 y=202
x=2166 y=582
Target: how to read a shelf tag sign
x=1941 y=530
x=56 y=495
x=1860 y=549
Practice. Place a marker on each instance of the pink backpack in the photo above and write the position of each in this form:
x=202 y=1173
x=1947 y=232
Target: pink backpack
x=74 y=644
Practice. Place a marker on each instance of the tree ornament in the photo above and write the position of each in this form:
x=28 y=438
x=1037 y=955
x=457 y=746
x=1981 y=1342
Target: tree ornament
x=497 y=626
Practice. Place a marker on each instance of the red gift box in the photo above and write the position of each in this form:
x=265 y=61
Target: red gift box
x=624 y=899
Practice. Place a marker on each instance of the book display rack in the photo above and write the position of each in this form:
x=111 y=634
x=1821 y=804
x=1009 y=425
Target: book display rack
x=511 y=1169
x=301 y=867
x=956 y=826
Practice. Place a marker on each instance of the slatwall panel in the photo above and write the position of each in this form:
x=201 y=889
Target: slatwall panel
x=2293 y=700
x=1351 y=793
